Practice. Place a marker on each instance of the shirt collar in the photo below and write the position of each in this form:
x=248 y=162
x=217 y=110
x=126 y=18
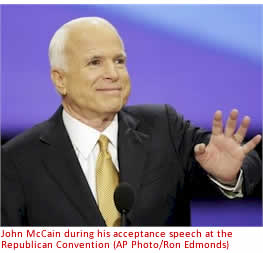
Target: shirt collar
x=84 y=138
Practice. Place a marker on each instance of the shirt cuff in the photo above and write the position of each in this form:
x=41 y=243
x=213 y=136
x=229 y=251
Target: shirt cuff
x=231 y=191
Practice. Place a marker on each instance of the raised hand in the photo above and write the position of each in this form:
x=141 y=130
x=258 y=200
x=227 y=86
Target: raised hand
x=223 y=156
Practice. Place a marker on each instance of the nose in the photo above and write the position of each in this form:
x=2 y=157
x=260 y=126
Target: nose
x=111 y=72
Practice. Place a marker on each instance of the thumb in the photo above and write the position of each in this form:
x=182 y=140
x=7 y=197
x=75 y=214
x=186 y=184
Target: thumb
x=199 y=150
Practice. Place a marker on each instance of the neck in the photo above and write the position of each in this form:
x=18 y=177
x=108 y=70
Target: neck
x=97 y=121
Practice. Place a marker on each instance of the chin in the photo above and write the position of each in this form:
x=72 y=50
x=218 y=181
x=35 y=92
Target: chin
x=113 y=108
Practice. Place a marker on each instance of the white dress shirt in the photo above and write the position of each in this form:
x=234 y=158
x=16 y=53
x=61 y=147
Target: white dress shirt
x=85 y=142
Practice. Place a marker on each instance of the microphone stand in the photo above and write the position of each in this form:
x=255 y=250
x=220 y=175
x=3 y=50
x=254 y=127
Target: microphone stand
x=123 y=218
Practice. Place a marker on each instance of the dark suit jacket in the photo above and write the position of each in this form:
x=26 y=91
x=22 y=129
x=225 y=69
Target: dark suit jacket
x=44 y=185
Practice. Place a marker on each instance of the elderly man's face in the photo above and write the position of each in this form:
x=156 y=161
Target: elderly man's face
x=96 y=79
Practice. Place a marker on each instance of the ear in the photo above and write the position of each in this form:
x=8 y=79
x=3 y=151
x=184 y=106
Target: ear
x=57 y=78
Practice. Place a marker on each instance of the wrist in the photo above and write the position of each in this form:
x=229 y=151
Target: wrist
x=229 y=182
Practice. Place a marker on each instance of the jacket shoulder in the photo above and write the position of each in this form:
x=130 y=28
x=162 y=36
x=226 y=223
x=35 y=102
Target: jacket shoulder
x=148 y=110
x=154 y=112
x=31 y=137
x=25 y=139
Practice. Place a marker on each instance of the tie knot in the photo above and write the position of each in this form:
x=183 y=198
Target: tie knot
x=103 y=142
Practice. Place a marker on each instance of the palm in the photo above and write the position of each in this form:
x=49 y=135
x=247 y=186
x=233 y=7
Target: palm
x=223 y=156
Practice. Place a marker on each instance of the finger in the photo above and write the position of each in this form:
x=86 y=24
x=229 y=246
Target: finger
x=251 y=144
x=242 y=130
x=217 y=127
x=231 y=123
x=199 y=149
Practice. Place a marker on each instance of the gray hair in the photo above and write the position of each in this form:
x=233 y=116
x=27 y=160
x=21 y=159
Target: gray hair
x=56 y=50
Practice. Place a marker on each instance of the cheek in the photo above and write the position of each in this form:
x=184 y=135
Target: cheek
x=126 y=92
x=127 y=86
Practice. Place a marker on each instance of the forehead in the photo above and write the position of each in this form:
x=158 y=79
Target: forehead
x=90 y=39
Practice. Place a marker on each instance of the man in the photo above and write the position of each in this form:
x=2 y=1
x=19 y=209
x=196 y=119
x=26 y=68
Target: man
x=64 y=171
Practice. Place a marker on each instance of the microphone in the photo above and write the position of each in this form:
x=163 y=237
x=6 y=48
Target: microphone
x=124 y=198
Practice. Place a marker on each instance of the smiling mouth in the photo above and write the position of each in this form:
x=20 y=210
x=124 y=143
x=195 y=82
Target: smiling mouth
x=109 y=90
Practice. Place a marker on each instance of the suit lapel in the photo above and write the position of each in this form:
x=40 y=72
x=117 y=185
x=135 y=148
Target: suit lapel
x=132 y=150
x=63 y=166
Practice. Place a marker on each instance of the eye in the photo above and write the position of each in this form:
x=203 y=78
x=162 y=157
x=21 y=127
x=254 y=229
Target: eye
x=120 y=61
x=94 y=62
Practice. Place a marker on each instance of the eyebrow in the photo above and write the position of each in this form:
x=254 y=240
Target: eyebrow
x=121 y=55
x=94 y=57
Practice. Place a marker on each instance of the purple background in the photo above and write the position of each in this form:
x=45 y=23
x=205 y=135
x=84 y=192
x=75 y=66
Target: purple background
x=196 y=58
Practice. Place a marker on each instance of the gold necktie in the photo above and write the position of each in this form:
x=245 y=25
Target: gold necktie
x=107 y=179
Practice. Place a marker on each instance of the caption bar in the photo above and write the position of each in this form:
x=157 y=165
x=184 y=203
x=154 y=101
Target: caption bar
x=116 y=238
